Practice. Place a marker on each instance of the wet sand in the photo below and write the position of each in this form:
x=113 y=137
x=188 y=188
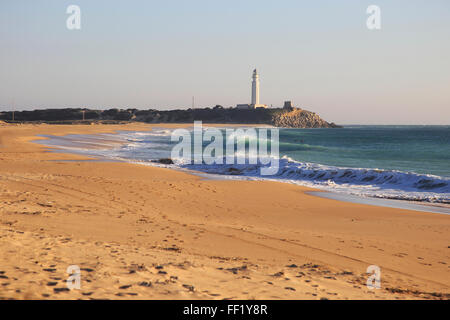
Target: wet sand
x=140 y=232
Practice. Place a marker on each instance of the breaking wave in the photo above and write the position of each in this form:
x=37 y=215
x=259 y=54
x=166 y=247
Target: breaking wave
x=391 y=184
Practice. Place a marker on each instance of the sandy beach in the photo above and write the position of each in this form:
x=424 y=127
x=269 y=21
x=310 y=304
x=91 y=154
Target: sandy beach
x=141 y=232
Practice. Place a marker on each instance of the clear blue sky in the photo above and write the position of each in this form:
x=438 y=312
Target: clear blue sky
x=158 y=54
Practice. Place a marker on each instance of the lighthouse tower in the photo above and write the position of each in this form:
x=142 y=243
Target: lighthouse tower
x=255 y=88
x=255 y=95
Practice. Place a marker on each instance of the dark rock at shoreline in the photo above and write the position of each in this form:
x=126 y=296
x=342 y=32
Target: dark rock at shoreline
x=234 y=171
x=164 y=161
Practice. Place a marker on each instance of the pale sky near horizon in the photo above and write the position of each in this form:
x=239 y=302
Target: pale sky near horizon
x=158 y=54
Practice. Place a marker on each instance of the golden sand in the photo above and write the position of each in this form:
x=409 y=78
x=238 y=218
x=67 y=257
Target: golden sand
x=140 y=232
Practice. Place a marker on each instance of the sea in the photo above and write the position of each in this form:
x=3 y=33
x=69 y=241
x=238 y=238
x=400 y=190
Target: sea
x=386 y=162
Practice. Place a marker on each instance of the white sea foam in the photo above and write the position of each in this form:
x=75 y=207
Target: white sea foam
x=391 y=184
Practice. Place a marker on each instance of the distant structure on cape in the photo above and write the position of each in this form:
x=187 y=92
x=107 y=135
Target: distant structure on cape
x=288 y=105
x=255 y=94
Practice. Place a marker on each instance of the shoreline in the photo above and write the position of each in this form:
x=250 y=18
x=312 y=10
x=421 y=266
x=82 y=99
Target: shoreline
x=151 y=233
x=421 y=206
x=387 y=203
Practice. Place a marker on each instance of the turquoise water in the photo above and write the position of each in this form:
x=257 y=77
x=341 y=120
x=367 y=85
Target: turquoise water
x=419 y=149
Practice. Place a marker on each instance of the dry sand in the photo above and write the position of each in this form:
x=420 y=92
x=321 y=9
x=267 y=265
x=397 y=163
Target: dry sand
x=141 y=232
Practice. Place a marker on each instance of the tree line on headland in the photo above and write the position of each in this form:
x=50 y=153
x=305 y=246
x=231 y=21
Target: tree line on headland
x=279 y=117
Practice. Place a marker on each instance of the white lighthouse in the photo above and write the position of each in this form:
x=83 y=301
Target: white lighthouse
x=255 y=88
x=255 y=94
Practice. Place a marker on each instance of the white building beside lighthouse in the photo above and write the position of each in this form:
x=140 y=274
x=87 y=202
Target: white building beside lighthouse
x=255 y=94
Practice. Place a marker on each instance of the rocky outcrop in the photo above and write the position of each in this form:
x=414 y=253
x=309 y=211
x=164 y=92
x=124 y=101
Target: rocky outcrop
x=286 y=117
x=299 y=118
x=164 y=161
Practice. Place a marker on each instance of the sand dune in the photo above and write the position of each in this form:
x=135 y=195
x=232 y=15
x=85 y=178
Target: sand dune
x=141 y=232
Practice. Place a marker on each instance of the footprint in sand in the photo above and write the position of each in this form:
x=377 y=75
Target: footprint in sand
x=125 y=287
x=290 y=288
